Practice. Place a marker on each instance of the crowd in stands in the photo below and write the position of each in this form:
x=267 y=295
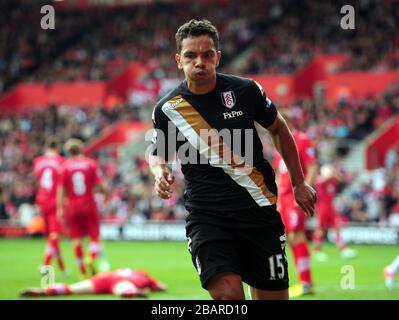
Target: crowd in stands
x=256 y=37
x=297 y=30
x=24 y=46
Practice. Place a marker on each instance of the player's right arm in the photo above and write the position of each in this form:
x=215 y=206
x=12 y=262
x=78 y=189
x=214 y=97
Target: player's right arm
x=159 y=168
x=100 y=184
x=60 y=201
x=60 y=196
x=163 y=177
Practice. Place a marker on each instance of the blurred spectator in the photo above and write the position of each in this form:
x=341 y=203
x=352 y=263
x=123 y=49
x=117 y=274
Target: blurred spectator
x=357 y=210
x=3 y=210
x=392 y=157
x=393 y=220
x=258 y=37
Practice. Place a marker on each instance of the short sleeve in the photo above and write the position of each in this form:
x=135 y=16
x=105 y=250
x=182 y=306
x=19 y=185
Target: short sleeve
x=160 y=136
x=265 y=110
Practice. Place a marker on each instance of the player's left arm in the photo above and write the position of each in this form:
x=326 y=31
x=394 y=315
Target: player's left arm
x=60 y=202
x=286 y=146
x=155 y=285
x=266 y=115
x=100 y=184
x=160 y=286
x=284 y=142
x=102 y=188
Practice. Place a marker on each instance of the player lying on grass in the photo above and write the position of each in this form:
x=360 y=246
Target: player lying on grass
x=125 y=283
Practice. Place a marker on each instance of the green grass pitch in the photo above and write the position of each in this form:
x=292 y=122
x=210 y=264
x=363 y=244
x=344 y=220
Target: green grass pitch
x=170 y=262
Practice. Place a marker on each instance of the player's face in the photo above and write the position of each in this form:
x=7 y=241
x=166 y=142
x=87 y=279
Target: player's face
x=198 y=59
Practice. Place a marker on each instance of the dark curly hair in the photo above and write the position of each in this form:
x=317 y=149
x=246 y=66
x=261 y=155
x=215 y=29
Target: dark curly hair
x=196 y=28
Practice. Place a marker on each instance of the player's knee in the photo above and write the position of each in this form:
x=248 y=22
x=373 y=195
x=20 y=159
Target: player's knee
x=226 y=286
x=77 y=241
x=53 y=235
x=257 y=294
x=291 y=238
x=223 y=294
x=296 y=237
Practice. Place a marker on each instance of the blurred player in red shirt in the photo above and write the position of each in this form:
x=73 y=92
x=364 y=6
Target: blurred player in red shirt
x=79 y=178
x=125 y=283
x=292 y=214
x=46 y=169
x=326 y=215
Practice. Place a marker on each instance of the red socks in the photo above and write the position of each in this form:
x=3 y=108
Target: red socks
x=302 y=262
x=58 y=289
x=94 y=249
x=339 y=241
x=53 y=250
x=79 y=258
x=317 y=240
x=48 y=254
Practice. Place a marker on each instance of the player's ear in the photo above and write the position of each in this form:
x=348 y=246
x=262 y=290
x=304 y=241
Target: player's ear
x=218 y=57
x=178 y=61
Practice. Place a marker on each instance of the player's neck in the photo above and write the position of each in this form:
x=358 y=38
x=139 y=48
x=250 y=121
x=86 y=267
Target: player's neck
x=197 y=88
x=51 y=153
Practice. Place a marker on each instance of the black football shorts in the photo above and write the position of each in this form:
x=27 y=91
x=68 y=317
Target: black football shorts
x=250 y=243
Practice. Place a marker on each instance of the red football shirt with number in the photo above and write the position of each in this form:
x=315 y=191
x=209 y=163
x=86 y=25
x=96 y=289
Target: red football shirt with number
x=79 y=176
x=293 y=217
x=47 y=170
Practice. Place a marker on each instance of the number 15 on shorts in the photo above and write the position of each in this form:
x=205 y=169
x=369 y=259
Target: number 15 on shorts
x=276 y=266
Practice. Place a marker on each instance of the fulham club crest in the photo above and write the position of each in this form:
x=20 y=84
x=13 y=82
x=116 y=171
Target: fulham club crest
x=228 y=99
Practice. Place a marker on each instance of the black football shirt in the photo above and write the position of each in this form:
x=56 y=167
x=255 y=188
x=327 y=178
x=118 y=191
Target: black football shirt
x=214 y=137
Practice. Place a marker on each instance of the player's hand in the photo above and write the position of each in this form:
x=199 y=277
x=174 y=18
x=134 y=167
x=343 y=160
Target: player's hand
x=306 y=198
x=163 y=182
x=162 y=287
